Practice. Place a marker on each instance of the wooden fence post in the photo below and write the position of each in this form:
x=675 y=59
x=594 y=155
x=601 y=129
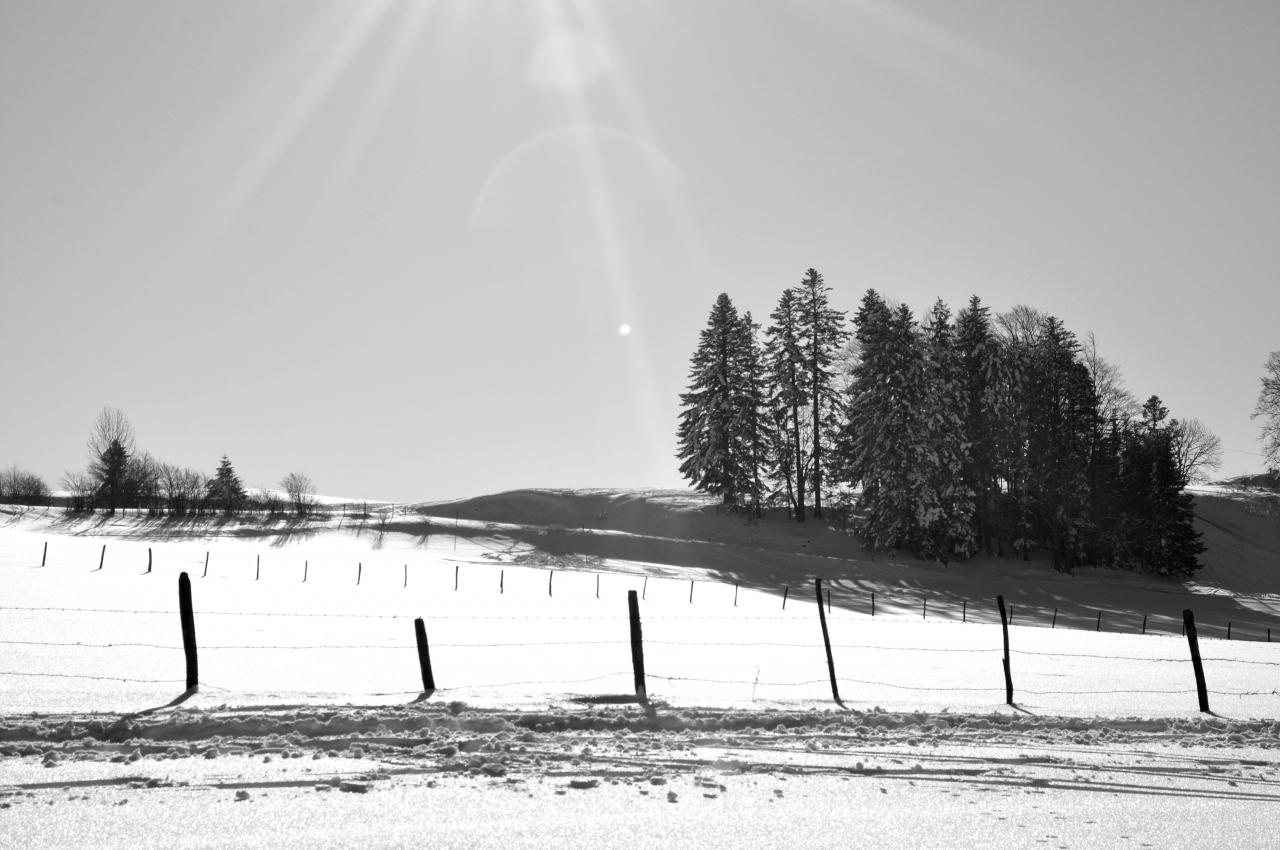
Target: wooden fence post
x=690 y=591
x=187 y=615
x=424 y=656
x=359 y=571
x=1189 y=626
x=1008 y=675
x=257 y=568
x=597 y=585
x=550 y=575
x=644 y=588
x=785 y=592
x=456 y=568
x=964 y=611
x=45 y=556
x=206 y=566
x=1054 y=624
x=637 y=648
x=1099 y=627
x=826 y=642
x=306 y=566
x=924 y=609
x=1144 y=624
x=148 y=559
x=103 y=557
x=406 y=576
x=1228 y=630
x=735 y=594
x=502 y=580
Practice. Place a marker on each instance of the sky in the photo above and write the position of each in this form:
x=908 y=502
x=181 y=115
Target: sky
x=425 y=250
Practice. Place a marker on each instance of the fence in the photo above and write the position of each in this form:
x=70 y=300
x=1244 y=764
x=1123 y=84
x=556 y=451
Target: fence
x=695 y=654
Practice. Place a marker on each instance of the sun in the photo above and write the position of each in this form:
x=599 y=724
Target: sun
x=624 y=329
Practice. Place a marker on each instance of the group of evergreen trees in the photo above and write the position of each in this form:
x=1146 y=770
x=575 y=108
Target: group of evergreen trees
x=945 y=437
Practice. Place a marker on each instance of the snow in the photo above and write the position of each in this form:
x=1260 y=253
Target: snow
x=315 y=684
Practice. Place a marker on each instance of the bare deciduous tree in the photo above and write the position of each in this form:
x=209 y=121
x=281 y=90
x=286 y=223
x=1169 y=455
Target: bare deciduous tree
x=21 y=487
x=1268 y=409
x=1021 y=325
x=110 y=447
x=301 y=491
x=81 y=486
x=1196 y=449
x=1115 y=402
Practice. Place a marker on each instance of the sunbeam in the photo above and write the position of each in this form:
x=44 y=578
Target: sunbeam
x=284 y=131
x=389 y=75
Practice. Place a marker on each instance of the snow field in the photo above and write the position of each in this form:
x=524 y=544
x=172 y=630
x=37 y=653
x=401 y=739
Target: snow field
x=79 y=639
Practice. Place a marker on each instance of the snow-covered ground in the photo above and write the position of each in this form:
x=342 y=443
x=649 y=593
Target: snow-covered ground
x=309 y=685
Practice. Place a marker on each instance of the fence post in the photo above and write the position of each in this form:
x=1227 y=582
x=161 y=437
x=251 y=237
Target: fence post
x=424 y=656
x=785 y=591
x=1144 y=624
x=1189 y=626
x=1008 y=676
x=257 y=568
x=735 y=594
x=188 y=618
x=637 y=648
x=45 y=556
x=1099 y=627
x=456 y=567
x=644 y=588
x=550 y=575
x=306 y=565
x=826 y=642
x=1228 y=630
x=406 y=576
x=502 y=580
x=964 y=610
x=148 y=559
x=690 y=591
x=103 y=557
x=206 y=566
x=359 y=571
x=873 y=603
x=597 y=585
x=924 y=608
x=1054 y=624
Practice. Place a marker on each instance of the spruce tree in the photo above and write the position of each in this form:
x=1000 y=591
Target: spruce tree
x=753 y=424
x=1061 y=407
x=821 y=336
x=946 y=509
x=983 y=378
x=715 y=431
x=788 y=398
x=224 y=490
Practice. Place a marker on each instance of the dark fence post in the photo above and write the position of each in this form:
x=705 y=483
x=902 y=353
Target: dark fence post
x=826 y=642
x=206 y=566
x=873 y=603
x=964 y=611
x=644 y=588
x=456 y=568
x=188 y=617
x=637 y=648
x=406 y=576
x=785 y=592
x=45 y=556
x=257 y=568
x=424 y=656
x=1099 y=627
x=1144 y=624
x=550 y=575
x=1189 y=626
x=690 y=591
x=1008 y=676
x=924 y=608
x=359 y=571
x=148 y=559
x=103 y=557
x=1054 y=624
x=735 y=594
x=306 y=565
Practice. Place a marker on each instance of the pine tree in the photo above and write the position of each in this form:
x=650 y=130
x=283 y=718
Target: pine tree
x=883 y=425
x=1158 y=515
x=1061 y=407
x=787 y=398
x=224 y=489
x=717 y=430
x=753 y=424
x=983 y=380
x=821 y=335
x=946 y=508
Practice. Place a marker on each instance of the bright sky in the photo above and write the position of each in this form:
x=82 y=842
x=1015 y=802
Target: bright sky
x=394 y=244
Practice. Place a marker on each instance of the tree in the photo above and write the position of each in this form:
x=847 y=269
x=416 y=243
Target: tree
x=1114 y=401
x=81 y=486
x=1196 y=450
x=224 y=489
x=300 y=490
x=714 y=441
x=821 y=337
x=788 y=398
x=1268 y=408
x=110 y=446
x=20 y=487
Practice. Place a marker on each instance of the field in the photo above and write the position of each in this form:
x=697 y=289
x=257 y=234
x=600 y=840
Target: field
x=309 y=679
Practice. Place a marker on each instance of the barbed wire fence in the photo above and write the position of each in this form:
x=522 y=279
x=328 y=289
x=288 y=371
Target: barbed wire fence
x=852 y=600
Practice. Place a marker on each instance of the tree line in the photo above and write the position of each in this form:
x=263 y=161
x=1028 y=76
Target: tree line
x=119 y=475
x=944 y=436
